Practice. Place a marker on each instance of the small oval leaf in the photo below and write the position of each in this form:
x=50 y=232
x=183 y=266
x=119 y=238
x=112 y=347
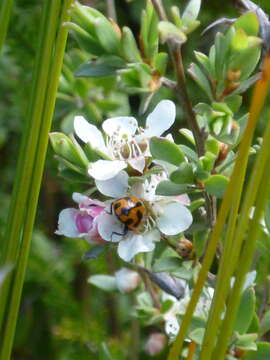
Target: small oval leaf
x=216 y=185
x=166 y=150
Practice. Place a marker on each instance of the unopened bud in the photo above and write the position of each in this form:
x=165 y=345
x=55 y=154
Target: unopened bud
x=233 y=75
x=126 y=280
x=155 y=344
x=185 y=248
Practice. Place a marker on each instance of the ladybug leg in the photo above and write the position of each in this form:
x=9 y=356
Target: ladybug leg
x=111 y=210
x=120 y=234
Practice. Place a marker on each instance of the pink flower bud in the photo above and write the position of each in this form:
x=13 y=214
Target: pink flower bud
x=126 y=280
x=81 y=222
x=155 y=344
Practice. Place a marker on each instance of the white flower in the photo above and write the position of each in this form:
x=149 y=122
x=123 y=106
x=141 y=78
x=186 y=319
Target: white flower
x=164 y=215
x=126 y=280
x=126 y=143
x=179 y=307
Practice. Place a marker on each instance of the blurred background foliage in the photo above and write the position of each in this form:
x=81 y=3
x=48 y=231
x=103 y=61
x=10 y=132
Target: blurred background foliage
x=62 y=316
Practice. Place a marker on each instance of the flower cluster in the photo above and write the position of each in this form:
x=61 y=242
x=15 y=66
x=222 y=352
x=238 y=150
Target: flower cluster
x=124 y=151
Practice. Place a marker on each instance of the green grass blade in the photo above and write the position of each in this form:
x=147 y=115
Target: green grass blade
x=5 y=13
x=246 y=257
x=36 y=182
x=232 y=247
x=29 y=145
x=235 y=185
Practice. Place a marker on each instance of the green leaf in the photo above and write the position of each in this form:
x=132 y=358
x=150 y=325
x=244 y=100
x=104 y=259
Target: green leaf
x=262 y=353
x=246 y=341
x=221 y=49
x=216 y=185
x=205 y=62
x=188 y=135
x=246 y=61
x=199 y=241
x=129 y=46
x=64 y=147
x=85 y=40
x=196 y=204
x=104 y=282
x=265 y=323
x=249 y=23
x=73 y=176
x=207 y=161
x=255 y=324
x=169 y=31
x=168 y=263
x=198 y=76
x=239 y=40
x=191 y=12
x=168 y=188
x=234 y=102
x=190 y=154
x=149 y=31
x=104 y=66
x=104 y=352
x=160 y=62
x=107 y=36
x=245 y=311
x=166 y=150
x=183 y=175
x=197 y=335
x=212 y=145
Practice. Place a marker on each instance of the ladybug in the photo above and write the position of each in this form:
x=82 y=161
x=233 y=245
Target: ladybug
x=130 y=211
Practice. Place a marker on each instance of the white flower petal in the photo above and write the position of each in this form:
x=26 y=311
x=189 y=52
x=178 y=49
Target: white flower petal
x=133 y=244
x=79 y=198
x=160 y=119
x=183 y=199
x=169 y=137
x=106 y=169
x=123 y=125
x=109 y=227
x=89 y=133
x=115 y=187
x=174 y=218
x=137 y=163
x=66 y=223
x=172 y=327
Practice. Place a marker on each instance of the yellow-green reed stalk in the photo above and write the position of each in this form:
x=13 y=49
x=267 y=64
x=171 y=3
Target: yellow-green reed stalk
x=246 y=257
x=5 y=13
x=47 y=110
x=235 y=187
x=232 y=245
x=23 y=177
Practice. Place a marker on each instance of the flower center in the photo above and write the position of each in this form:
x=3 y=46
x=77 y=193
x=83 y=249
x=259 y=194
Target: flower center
x=84 y=223
x=125 y=147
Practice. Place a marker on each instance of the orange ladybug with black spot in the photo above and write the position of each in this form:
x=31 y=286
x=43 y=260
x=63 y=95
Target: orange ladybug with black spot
x=130 y=211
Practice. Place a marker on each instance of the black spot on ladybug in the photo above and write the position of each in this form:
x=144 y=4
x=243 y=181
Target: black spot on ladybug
x=116 y=205
x=128 y=222
x=139 y=217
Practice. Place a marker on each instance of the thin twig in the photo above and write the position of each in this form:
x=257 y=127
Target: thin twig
x=183 y=97
x=191 y=350
x=111 y=10
x=149 y=288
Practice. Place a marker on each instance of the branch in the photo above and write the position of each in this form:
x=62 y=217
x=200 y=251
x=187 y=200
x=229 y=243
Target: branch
x=176 y=56
x=111 y=11
x=183 y=97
